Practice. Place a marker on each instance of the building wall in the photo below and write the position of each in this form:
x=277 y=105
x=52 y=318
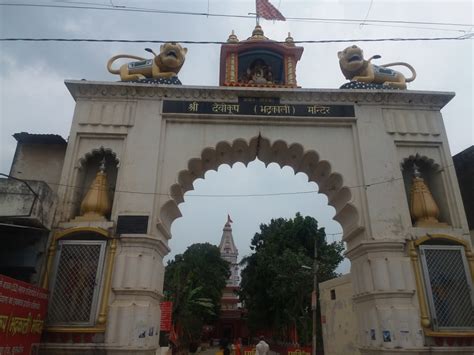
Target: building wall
x=43 y=162
x=338 y=316
x=464 y=165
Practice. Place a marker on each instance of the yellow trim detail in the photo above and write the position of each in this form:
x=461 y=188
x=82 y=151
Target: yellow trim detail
x=432 y=333
x=111 y=250
x=49 y=263
x=61 y=234
x=450 y=238
x=425 y=319
x=107 y=282
x=71 y=231
x=413 y=253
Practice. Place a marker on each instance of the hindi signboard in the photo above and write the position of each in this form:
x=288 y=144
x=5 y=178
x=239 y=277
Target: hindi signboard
x=257 y=108
x=23 y=310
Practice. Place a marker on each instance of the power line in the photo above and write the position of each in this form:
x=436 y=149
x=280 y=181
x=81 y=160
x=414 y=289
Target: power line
x=95 y=40
x=208 y=14
x=391 y=180
x=129 y=9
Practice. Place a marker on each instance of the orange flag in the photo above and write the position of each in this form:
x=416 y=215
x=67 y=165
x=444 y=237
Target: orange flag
x=267 y=11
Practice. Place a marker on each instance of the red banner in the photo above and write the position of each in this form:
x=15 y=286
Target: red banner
x=23 y=309
x=268 y=11
x=166 y=310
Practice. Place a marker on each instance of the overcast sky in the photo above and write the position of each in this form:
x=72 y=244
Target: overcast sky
x=34 y=98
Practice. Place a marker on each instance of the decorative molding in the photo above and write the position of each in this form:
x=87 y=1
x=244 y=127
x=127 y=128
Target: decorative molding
x=162 y=228
x=144 y=241
x=119 y=90
x=107 y=113
x=89 y=228
x=441 y=237
x=376 y=246
x=377 y=295
x=155 y=294
x=100 y=329
x=411 y=122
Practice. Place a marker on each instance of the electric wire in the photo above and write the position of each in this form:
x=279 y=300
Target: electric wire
x=92 y=40
x=103 y=7
x=391 y=180
x=367 y=14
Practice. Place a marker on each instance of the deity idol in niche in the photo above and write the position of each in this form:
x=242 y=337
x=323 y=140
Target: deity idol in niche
x=258 y=73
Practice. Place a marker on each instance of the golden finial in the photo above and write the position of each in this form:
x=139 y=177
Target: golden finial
x=257 y=33
x=289 y=41
x=423 y=208
x=232 y=38
x=96 y=204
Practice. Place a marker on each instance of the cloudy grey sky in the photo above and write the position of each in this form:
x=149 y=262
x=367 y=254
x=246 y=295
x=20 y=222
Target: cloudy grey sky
x=33 y=97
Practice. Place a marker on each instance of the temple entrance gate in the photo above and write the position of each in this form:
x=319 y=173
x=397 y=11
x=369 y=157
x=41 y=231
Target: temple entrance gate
x=353 y=144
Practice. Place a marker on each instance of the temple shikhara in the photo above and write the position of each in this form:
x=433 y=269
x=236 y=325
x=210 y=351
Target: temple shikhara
x=87 y=221
x=231 y=324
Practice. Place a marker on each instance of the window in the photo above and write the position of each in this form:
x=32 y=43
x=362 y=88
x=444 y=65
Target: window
x=333 y=294
x=76 y=282
x=449 y=287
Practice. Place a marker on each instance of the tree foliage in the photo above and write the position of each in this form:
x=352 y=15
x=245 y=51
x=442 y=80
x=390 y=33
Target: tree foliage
x=194 y=281
x=274 y=288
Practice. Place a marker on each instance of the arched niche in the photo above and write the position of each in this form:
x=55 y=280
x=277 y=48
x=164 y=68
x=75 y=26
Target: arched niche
x=431 y=173
x=318 y=170
x=88 y=167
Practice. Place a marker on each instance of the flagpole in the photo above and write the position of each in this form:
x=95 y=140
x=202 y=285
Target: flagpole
x=257 y=18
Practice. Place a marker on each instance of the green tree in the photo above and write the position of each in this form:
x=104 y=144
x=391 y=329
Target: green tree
x=194 y=281
x=275 y=289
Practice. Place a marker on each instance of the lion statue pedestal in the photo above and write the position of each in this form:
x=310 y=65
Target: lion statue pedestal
x=162 y=69
x=366 y=75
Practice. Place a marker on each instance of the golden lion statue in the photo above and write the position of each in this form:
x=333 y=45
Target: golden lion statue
x=165 y=65
x=355 y=68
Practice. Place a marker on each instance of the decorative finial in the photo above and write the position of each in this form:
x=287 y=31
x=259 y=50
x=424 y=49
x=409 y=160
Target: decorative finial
x=423 y=208
x=232 y=38
x=289 y=41
x=96 y=205
x=416 y=171
x=229 y=221
x=257 y=33
x=102 y=165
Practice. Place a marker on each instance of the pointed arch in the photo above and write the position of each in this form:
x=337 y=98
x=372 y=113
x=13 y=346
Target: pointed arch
x=280 y=152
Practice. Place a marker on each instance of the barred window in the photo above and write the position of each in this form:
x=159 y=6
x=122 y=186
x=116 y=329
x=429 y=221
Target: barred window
x=449 y=287
x=76 y=282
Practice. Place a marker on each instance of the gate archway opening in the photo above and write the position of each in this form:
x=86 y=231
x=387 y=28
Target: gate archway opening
x=252 y=194
x=316 y=168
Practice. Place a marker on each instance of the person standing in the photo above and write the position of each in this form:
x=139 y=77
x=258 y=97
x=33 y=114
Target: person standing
x=262 y=347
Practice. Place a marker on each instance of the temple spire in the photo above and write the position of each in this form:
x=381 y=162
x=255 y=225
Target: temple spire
x=229 y=252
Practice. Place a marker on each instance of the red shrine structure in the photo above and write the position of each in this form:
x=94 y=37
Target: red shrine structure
x=259 y=61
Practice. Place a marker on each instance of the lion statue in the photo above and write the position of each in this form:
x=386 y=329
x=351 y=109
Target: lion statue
x=165 y=65
x=356 y=68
